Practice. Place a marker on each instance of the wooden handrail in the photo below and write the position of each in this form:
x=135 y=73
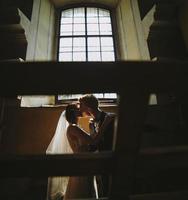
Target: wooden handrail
x=161 y=158
x=161 y=196
x=87 y=163
x=83 y=77
x=56 y=165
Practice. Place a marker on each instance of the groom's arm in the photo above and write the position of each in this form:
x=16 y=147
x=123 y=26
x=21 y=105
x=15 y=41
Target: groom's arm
x=109 y=118
x=92 y=130
x=97 y=137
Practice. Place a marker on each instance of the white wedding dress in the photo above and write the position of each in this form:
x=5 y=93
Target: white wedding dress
x=59 y=145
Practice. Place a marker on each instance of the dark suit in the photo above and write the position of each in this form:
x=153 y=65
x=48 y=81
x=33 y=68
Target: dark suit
x=105 y=144
x=106 y=141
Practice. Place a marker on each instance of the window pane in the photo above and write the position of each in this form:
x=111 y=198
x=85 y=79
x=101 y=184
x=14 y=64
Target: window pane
x=78 y=49
x=108 y=56
x=92 y=20
x=92 y=29
x=65 y=42
x=77 y=96
x=67 y=13
x=93 y=44
x=94 y=56
x=107 y=44
x=79 y=20
x=94 y=48
x=79 y=12
x=69 y=96
x=65 y=49
x=104 y=20
x=79 y=16
x=110 y=95
x=106 y=41
x=79 y=44
x=79 y=56
x=79 y=29
x=105 y=29
x=80 y=41
x=92 y=12
x=104 y=13
x=108 y=48
x=99 y=95
x=93 y=41
x=65 y=45
x=66 y=20
x=65 y=57
x=66 y=29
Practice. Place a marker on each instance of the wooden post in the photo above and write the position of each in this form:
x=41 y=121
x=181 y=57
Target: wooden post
x=132 y=111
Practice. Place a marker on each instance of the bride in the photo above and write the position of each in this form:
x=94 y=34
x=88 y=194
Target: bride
x=69 y=138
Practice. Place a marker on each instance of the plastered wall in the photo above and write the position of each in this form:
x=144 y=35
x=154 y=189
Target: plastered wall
x=132 y=43
x=41 y=32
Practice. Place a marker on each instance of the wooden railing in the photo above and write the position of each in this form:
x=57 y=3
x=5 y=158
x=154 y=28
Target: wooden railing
x=56 y=165
x=133 y=81
x=69 y=77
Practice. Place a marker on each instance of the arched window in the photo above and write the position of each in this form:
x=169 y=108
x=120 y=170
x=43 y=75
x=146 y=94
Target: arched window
x=86 y=34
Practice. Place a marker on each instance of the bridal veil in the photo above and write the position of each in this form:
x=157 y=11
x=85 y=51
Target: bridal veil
x=58 y=145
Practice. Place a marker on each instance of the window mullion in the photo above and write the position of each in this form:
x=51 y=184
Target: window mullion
x=99 y=35
x=86 y=36
x=68 y=36
x=72 y=32
x=113 y=36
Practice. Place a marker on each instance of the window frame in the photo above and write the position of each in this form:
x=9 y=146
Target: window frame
x=72 y=6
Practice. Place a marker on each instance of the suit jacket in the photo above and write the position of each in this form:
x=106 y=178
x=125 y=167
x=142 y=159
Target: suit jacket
x=106 y=140
x=104 y=144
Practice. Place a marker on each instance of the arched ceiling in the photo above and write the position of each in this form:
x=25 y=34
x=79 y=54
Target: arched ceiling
x=60 y=3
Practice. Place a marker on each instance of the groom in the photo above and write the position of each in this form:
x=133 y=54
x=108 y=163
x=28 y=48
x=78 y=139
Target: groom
x=103 y=124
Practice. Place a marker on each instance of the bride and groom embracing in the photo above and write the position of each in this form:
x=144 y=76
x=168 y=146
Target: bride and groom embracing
x=70 y=138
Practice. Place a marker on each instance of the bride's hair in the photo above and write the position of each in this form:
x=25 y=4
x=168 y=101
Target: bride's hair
x=71 y=113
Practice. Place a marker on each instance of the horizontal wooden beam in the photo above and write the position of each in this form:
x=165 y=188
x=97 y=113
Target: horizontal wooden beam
x=56 y=165
x=162 y=158
x=26 y=78
x=161 y=196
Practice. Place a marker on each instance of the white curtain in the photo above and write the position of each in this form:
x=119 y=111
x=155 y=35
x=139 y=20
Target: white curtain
x=58 y=145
